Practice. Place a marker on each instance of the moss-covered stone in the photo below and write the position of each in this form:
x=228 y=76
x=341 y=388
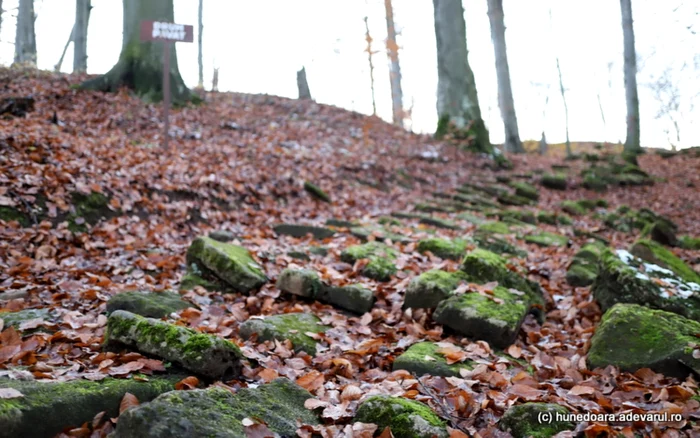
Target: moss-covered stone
x=299 y=255
x=655 y=253
x=230 y=263
x=515 y=200
x=292 y=326
x=296 y=230
x=496 y=244
x=546 y=238
x=196 y=276
x=495 y=319
x=429 y=288
x=217 y=412
x=439 y=223
x=574 y=208
x=204 y=354
x=661 y=230
x=423 y=358
x=633 y=337
x=517 y=216
x=388 y=220
x=406 y=418
x=452 y=249
x=301 y=282
x=380 y=233
x=15 y=319
x=341 y=223
x=495 y=228
x=594 y=182
x=525 y=421
x=47 y=408
x=624 y=278
x=381 y=259
x=88 y=209
x=526 y=190
x=689 y=242
x=222 y=235
x=555 y=181
x=316 y=192
x=583 y=269
x=353 y=298
x=149 y=304
x=550 y=218
x=318 y=250
x=471 y=218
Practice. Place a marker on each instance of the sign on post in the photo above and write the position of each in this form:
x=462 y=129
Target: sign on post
x=167 y=33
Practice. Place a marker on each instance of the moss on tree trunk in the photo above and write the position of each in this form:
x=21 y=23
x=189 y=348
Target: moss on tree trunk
x=140 y=65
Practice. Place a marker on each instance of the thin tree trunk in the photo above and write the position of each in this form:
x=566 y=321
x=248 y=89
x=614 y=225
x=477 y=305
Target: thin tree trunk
x=200 y=63
x=369 y=51
x=543 y=145
x=392 y=49
x=58 y=65
x=1 y=11
x=566 y=109
x=140 y=65
x=80 y=31
x=505 y=93
x=25 y=38
x=303 y=85
x=457 y=100
x=630 y=69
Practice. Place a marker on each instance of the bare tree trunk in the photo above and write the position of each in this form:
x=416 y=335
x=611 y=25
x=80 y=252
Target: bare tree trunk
x=566 y=109
x=25 y=38
x=369 y=51
x=631 y=97
x=57 y=67
x=80 y=31
x=505 y=93
x=543 y=145
x=200 y=63
x=392 y=49
x=140 y=65
x=1 y=11
x=303 y=85
x=215 y=80
x=457 y=100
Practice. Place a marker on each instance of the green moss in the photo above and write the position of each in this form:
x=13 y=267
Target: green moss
x=546 y=217
x=381 y=257
x=388 y=220
x=316 y=191
x=423 y=358
x=439 y=223
x=195 y=276
x=689 y=242
x=429 y=288
x=406 y=418
x=379 y=232
x=517 y=216
x=444 y=248
x=292 y=326
x=554 y=181
x=149 y=304
x=655 y=253
x=301 y=282
x=354 y=298
x=497 y=244
x=495 y=228
x=296 y=230
x=573 y=208
x=9 y=214
x=595 y=183
x=526 y=190
x=525 y=420
x=547 y=239
x=90 y=208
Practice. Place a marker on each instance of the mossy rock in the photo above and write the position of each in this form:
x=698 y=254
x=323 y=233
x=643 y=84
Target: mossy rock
x=517 y=216
x=439 y=223
x=495 y=228
x=204 y=354
x=222 y=236
x=689 y=242
x=423 y=358
x=149 y=304
x=217 y=412
x=298 y=255
x=624 y=278
x=526 y=420
x=496 y=244
x=89 y=209
x=300 y=282
x=652 y=252
x=295 y=230
x=526 y=190
x=515 y=200
x=15 y=319
x=318 y=250
x=381 y=259
x=197 y=276
x=380 y=234
x=341 y=223
x=574 y=208
x=595 y=183
x=231 y=263
x=555 y=181
x=353 y=298
x=292 y=326
x=546 y=217
x=388 y=220
x=632 y=337
x=546 y=238
x=47 y=408
x=429 y=288
x=406 y=418
x=495 y=319
x=452 y=249
x=583 y=269
x=472 y=219
x=662 y=231
x=316 y=192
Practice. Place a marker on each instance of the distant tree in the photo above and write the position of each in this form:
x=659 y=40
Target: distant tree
x=80 y=31
x=370 y=53
x=505 y=93
x=457 y=101
x=140 y=64
x=303 y=85
x=25 y=38
x=1 y=11
x=392 y=49
x=215 y=80
x=566 y=109
x=630 y=69
x=200 y=30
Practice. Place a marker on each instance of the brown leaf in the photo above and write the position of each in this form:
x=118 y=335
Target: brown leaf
x=190 y=382
x=311 y=381
x=128 y=401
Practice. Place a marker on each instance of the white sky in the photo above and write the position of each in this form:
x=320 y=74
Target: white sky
x=260 y=44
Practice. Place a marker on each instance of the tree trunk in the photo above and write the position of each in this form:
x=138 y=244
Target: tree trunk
x=80 y=31
x=369 y=51
x=457 y=100
x=200 y=63
x=392 y=50
x=57 y=67
x=543 y=145
x=1 y=11
x=303 y=85
x=25 y=38
x=632 y=142
x=505 y=93
x=140 y=65
x=566 y=109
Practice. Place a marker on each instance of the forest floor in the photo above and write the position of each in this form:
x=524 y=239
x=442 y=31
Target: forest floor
x=238 y=163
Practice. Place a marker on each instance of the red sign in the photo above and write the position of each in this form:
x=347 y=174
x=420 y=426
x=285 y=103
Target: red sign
x=163 y=31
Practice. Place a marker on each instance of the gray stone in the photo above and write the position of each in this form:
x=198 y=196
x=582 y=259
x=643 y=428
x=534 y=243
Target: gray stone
x=149 y=304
